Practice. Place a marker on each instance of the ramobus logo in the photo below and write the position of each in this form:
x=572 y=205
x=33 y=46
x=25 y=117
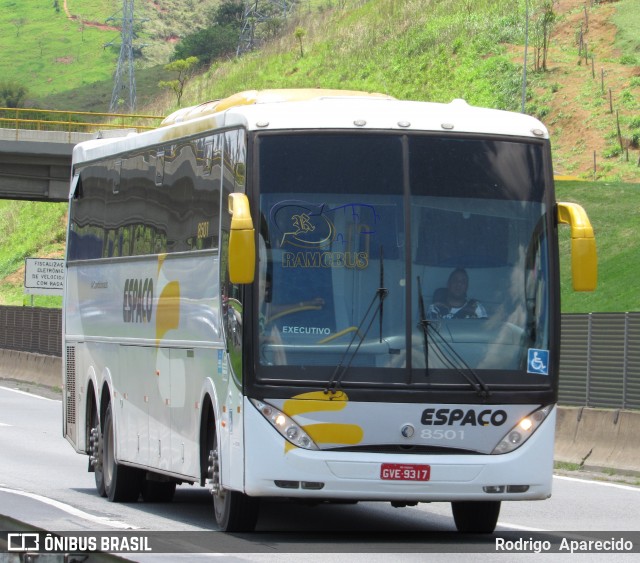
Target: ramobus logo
x=137 y=302
x=460 y=417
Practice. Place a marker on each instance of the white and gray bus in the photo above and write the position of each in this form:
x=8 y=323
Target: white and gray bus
x=259 y=300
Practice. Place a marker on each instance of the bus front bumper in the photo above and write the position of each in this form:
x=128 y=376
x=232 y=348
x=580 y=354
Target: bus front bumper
x=274 y=470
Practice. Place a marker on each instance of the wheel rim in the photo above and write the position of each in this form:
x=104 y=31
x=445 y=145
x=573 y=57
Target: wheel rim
x=219 y=495
x=219 y=505
x=107 y=465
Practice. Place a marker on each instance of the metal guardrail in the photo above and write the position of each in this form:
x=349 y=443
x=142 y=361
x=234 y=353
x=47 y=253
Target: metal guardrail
x=28 y=119
x=31 y=329
x=600 y=360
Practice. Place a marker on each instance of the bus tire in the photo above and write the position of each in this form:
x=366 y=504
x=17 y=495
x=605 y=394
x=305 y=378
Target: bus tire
x=121 y=483
x=234 y=511
x=476 y=517
x=96 y=452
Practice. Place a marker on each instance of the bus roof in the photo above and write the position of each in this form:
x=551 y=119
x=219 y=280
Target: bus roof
x=318 y=109
x=251 y=97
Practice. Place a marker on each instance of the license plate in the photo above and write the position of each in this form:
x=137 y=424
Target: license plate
x=404 y=472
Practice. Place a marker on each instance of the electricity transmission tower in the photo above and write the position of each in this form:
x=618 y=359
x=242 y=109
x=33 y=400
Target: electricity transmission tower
x=123 y=97
x=255 y=13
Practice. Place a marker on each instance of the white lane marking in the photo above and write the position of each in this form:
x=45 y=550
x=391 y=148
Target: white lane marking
x=601 y=483
x=71 y=510
x=574 y=479
x=30 y=394
x=3 y=424
x=521 y=528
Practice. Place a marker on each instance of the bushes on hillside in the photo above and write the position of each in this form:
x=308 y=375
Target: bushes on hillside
x=207 y=44
x=234 y=26
x=218 y=39
x=12 y=94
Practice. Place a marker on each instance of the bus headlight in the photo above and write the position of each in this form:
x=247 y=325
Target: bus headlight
x=285 y=425
x=522 y=431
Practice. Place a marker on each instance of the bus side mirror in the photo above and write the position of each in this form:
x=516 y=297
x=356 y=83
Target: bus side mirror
x=242 y=247
x=584 y=260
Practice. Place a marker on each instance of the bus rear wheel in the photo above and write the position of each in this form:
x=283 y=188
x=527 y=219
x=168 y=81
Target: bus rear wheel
x=476 y=517
x=121 y=483
x=234 y=511
x=96 y=456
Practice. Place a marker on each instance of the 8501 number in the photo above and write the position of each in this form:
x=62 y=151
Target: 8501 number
x=440 y=434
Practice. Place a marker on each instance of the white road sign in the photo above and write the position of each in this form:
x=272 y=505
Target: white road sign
x=43 y=276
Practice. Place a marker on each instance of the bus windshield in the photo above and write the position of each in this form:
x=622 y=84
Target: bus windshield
x=402 y=259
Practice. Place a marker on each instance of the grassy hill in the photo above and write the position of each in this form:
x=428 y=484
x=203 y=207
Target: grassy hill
x=424 y=49
x=55 y=47
x=28 y=229
x=437 y=50
x=47 y=52
x=440 y=50
x=614 y=209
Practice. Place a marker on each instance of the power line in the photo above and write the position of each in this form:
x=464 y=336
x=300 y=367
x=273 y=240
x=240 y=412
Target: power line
x=123 y=97
x=256 y=12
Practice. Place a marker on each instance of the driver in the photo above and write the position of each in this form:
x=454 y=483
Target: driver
x=455 y=304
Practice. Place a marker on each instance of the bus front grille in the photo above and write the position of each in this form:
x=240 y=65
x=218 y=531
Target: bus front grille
x=403 y=449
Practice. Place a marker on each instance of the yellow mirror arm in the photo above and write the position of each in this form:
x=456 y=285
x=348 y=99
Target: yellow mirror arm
x=584 y=259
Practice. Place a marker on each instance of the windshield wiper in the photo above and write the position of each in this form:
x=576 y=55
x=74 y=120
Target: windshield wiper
x=341 y=368
x=447 y=354
x=424 y=325
x=382 y=290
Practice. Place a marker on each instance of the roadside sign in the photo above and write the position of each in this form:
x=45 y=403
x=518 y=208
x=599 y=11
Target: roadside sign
x=43 y=276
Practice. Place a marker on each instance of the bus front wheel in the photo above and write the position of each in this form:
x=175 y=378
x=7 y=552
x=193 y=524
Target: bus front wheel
x=476 y=517
x=234 y=511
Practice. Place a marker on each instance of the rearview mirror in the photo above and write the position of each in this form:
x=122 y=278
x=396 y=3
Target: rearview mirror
x=242 y=248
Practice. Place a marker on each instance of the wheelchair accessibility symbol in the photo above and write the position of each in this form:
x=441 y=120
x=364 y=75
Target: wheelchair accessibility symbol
x=538 y=361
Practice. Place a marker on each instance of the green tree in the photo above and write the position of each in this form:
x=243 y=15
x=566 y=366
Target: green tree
x=299 y=35
x=185 y=69
x=207 y=44
x=218 y=39
x=543 y=20
x=229 y=12
x=19 y=23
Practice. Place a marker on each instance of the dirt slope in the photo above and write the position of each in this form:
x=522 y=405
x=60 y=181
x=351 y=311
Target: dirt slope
x=579 y=115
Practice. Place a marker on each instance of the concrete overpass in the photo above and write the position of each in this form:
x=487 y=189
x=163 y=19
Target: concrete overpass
x=35 y=161
x=37 y=165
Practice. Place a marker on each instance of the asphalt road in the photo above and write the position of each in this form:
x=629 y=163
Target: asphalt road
x=44 y=484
